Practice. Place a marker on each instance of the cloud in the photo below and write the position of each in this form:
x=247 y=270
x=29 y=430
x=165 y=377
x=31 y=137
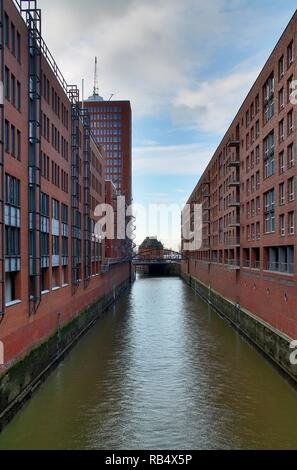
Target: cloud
x=212 y=105
x=172 y=159
x=150 y=50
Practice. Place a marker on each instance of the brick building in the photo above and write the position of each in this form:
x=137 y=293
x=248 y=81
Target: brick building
x=151 y=248
x=111 y=122
x=248 y=194
x=52 y=178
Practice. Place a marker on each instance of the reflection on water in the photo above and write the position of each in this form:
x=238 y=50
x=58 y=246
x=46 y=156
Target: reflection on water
x=160 y=370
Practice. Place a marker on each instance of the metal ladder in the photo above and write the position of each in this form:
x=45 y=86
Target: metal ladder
x=86 y=195
x=73 y=94
x=33 y=21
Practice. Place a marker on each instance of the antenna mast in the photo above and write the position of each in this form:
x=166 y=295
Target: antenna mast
x=96 y=80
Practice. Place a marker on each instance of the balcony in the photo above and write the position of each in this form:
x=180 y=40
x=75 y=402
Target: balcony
x=233 y=162
x=234 y=221
x=233 y=264
x=233 y=144
x=284 y=268
x=255 y=264
x=233 y=242
x=234 y=202
x=234 y=182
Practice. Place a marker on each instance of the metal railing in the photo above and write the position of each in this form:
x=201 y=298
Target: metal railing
x=234 y=221
x=233 y=263
x=234 y=201
x=256 y=264
x=234 y=180
x=233 y=241
x=286 y=268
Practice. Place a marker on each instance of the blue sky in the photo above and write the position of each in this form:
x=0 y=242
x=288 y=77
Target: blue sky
x=185 y=66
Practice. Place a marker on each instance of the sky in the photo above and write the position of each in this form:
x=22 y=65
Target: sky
x=186 y=66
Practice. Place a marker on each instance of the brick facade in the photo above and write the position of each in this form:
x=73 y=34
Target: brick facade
x=52 y=178
x=248 y=195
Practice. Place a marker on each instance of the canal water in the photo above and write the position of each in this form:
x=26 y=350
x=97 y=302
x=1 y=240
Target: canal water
x=159 y=371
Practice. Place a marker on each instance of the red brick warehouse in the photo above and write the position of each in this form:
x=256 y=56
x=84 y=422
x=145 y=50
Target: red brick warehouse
x=52 y=178
x=248 y=193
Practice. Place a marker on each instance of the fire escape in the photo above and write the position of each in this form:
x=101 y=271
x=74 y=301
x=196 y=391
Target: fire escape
x=234 y=204
x=33 y=21
x=206 y=219
x=2 y=189
x=73 y=94
x=86 y=195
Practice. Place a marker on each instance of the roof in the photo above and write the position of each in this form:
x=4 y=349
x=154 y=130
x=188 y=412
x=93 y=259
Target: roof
x=151 y=243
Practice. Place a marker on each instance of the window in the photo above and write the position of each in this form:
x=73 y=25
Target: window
x=290 y=53
x=290 y=156
x=44 y=235
x=6 y=131
x=13 y=89
x=12 y=141
x=18 y=47
x=282 y=225
x=280 y=259
x=253 y=184
x=55 y=278
x=247 y=118
x=12 y=224
x=18 y=96
x=291 y=223
x=55 y=209
x=281 y=99
x=268 y=92
x=281 y=67
x=282 y=130
x=55 y=245
x=258 y=180
x=291 y=189
x=257 y=129
x=257 y=155
x=252 y=159
x=257 y=104
x=6 y=30
x=269 y=204
x=248 y=187
x=12 y=33
x=257 y=205
x=269 y=155
x=18 y=146
x=290 y=88
x=282 y=194
x=6 y=84
x=252 y=112
x=290 y=122
x=281 y=163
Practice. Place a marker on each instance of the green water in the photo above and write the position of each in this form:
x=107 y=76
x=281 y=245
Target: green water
x=159 y=371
